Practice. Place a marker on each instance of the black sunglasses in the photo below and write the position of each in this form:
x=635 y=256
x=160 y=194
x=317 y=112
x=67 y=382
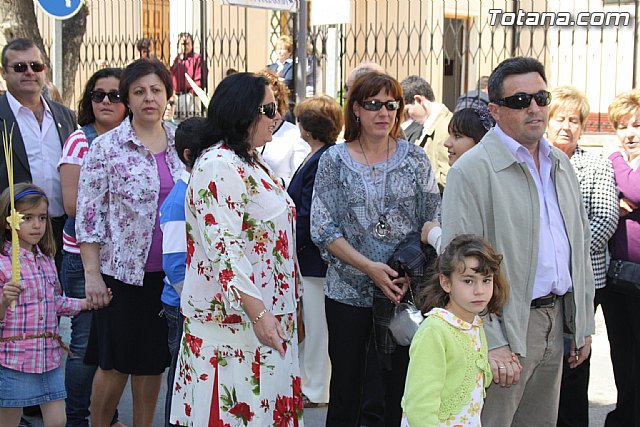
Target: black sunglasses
x=520 y=101
x=375 y=105
x=21 y=67
x=98 y=96
x=268 y=110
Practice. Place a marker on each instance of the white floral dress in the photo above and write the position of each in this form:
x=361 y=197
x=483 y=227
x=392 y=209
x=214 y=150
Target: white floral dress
x=240 y=237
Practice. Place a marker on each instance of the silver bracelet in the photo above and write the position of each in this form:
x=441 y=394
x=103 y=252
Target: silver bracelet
x=259 y=316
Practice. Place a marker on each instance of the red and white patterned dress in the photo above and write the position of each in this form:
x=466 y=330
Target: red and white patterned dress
x=240 y=237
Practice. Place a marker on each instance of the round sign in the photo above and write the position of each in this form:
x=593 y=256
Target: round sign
x=60 y=9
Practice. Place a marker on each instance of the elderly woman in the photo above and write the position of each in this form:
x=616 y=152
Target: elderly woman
x=369 y=194
x=125 y=177
x=238 y=364
x=620 y=304
x=568 y=118
x=100 y=109
x=286 y=151
x=320 y=123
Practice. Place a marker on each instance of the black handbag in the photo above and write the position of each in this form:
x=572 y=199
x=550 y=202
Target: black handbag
x=624 y=277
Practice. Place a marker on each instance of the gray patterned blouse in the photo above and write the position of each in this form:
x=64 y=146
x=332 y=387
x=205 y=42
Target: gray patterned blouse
x=347 y=203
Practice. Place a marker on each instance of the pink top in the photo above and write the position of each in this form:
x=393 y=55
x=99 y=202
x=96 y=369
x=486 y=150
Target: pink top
x=154 y=261
x=37 y=310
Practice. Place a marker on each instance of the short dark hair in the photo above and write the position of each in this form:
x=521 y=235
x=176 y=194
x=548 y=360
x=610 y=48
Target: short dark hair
x=85 y=108
x=140 y=68
x=144 y=43
x=467 y=122
x=321 y=116
x=367 y=85
x=185 y=35
x=16 y=44
x=509 y=67
x=232 y=111
x=188 y=138
x=416 y=85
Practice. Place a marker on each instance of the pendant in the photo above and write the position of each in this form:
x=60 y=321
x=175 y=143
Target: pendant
x=381 y=229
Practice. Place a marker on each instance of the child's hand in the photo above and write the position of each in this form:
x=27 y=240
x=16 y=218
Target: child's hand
x=86 y=305
x=10 y=293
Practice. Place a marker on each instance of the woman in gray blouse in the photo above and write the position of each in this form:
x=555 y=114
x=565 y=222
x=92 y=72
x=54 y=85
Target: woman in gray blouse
x=369 y=194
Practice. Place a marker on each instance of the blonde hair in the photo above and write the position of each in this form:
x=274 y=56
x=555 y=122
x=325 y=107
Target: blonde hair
x=571 y=99
x=622 y=105
x=47 y=244
x=286 y=42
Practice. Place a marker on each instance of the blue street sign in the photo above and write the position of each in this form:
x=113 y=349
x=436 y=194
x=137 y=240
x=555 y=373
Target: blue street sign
x=60 y=9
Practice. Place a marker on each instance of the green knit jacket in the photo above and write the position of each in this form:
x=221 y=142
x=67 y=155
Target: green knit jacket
x=442 y=372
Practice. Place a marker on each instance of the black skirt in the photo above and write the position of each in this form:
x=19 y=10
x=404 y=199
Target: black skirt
x=130 y=335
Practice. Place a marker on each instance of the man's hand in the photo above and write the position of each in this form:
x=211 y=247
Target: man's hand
x=505 y=366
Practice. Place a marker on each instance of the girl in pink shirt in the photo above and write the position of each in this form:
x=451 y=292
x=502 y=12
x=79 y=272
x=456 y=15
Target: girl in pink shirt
x=30 y=346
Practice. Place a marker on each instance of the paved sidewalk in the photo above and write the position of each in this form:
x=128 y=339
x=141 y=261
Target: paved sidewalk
x=602 y=390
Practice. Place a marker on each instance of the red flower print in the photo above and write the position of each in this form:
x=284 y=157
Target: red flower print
x=190 y=249
x=255 y=366
x=282 y=244
x=210 y=219
x=266 y=184
x=232 y=318
x=194 y=343
x=284 y=413
x=296 y=384
x=187 y=410
x=225 y=277
x=214 y=190
x=204 y=377
x=242 y=410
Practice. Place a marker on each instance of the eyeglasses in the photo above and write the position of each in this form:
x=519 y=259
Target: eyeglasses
x=98 y=96
x=520 y=101
x=270 y=110
x=21 y=67
x=375 y=105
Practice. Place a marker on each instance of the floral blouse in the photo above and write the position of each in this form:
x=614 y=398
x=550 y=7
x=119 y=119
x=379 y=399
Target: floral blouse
x=118 y=196
x=240 y=237
x=346 y=203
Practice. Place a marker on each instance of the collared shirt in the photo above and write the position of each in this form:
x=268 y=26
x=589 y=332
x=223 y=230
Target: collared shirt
x=42 y=144
x=118 y=194
x=36 y=312
x=435 y=110
x=554 y=251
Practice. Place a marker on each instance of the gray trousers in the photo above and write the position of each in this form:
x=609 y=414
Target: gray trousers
x=534 y=400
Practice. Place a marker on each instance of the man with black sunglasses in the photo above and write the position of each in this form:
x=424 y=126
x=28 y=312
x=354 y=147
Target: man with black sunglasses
x=40 y=127
x=519 y=192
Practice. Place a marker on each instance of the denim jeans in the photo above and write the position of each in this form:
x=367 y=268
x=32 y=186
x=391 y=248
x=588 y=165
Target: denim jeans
x=174 y=322
x=78 y=375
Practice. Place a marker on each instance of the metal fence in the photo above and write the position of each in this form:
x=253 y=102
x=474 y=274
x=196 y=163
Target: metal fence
x=451 y=43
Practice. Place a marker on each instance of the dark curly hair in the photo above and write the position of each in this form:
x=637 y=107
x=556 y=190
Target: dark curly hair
x=451 y=260
x=85 y=109
x=232 y=111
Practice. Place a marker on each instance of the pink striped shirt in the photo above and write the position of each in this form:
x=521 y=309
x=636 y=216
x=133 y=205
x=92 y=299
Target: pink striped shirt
x=36 y=313
x=75 y=147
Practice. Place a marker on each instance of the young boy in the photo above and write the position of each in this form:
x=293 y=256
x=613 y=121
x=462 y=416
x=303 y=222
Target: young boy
x=174 y=247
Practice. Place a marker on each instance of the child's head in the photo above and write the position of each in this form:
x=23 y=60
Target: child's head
x=35 y=229
x=187 y=138
x=468 y=275
x=466 y=129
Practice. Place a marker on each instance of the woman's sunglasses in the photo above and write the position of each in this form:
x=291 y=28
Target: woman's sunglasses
x=520 y=101
x=375 y=105
x=21 y=67
x=98 y=96
x=270 y=110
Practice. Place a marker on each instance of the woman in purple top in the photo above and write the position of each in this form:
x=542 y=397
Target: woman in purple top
x=621 y=309
x=125 y=177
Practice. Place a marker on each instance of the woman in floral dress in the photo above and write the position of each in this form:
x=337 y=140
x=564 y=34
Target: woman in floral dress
x=238 y=362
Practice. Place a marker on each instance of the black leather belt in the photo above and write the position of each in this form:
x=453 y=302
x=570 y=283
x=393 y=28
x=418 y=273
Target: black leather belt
x=546 y=301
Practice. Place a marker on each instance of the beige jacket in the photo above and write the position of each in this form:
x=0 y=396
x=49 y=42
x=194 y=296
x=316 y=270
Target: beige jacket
x=432 y=140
